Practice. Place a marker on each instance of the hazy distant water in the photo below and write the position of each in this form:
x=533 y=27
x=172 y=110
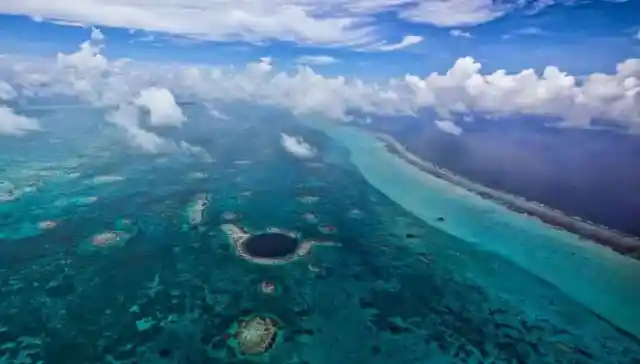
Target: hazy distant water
x=587 y=173
x=400 y=289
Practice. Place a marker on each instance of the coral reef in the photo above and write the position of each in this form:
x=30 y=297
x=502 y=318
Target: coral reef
x=254 y=335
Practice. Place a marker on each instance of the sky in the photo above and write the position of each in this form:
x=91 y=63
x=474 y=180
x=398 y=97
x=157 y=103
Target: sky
x=575 y=62
x=375 y=38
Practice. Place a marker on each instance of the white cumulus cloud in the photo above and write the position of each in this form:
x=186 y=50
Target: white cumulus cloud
x=448 y=126
x=459 y=33
x=407 y=41
x=452 y=13
x=216 y=113
x=96 y=35
x=297 y=146
x=87 y=59
x=126 y=117
x=316 y=59
x=553 y=93
x=14 y=124
x=162 y=107
x=195 y=150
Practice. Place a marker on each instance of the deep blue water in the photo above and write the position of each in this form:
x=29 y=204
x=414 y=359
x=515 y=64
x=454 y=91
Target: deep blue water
x=587 y=173
x=271 y=245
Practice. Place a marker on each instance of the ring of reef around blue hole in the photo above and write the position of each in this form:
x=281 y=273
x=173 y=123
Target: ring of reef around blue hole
x=273 y=246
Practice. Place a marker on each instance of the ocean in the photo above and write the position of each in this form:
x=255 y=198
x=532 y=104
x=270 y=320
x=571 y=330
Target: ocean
x=424 y=272
x=587 y=173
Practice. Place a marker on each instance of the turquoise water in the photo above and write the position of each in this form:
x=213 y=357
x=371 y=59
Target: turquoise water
x=592 y=274
x=402 y=287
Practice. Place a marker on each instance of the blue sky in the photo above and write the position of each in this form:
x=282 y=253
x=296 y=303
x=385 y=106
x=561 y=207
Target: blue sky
x=579 y=37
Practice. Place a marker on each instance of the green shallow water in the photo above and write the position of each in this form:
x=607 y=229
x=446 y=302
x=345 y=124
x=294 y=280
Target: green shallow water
x=401 y=288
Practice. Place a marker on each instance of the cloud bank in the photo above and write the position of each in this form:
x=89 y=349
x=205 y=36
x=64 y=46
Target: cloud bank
x=575 y=101
x=297 y=146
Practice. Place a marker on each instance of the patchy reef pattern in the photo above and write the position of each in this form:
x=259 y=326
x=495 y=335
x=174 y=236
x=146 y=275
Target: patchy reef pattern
x=107 y=256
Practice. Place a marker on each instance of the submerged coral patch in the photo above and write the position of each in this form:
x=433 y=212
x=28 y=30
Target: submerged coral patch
x=228 y=215
x=254 y=335
x=75 y=201
x=196 y=209
x=308 y=200
x=267 y=287
x=106 y=179
x=310 y=218
x=106 y=238
x=8 y=191
x=327 y=229
x=120 y=235
x=47 y=224
x=196 y=175
x=355 y=213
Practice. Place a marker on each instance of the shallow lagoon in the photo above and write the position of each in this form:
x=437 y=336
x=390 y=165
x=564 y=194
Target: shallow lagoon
x=559 y=257
x=399 y=288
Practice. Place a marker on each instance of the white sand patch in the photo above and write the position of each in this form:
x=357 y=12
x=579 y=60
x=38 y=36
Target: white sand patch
x=106 y=179
x=195 y=210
